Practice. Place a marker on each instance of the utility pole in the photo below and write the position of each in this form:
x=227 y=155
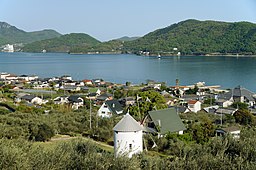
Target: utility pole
x=90 y=114
x=221 y=118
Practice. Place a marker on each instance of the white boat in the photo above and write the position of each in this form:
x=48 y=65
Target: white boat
x=158 y=56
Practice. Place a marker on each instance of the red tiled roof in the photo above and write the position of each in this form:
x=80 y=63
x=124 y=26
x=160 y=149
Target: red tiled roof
x=192 y=101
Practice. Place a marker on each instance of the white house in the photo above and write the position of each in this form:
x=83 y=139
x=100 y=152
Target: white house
x=224 y=102
x=194 y=105
x=28 y=78
x=61 y=100
x=4 y=75
x=127 y=137
x=32 y=99
x=76 y=101
x=110 y=107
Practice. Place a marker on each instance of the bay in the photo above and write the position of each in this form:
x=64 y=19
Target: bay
x=218 y=70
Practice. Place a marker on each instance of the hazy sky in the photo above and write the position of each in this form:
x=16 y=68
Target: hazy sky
x=110 y=19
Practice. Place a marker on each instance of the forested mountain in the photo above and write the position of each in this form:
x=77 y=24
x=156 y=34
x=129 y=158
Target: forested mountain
x=10 y=34
x=199 y=37
x=63 y=43
x=190 y=37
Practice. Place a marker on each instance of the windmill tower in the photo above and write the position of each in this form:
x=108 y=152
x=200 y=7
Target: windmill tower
x=127 y=137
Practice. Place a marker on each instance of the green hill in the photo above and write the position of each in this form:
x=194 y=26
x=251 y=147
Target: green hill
x=192 y=37
x=126 y=38
x=64 y=43
x=10 y=34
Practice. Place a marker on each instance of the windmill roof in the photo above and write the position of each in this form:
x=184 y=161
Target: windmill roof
x=127 y=124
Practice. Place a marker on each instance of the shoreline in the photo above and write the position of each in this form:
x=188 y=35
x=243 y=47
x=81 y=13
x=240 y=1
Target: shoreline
x=151 y=55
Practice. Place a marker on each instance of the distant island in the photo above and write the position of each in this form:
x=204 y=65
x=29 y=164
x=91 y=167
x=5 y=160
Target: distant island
x=190 y=37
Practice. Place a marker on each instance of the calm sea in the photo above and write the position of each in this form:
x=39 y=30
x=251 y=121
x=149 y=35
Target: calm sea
x=220 y=70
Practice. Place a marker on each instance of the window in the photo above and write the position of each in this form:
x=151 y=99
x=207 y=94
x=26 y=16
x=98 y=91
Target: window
x=130 y=147
x=103 y=112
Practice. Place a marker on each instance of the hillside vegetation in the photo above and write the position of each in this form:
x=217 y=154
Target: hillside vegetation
x=63 y=43
x=199 y=37
x=11 y=34
x=190 y=37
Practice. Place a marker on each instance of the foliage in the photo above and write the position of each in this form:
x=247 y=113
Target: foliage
x=210 y=101
x=148 y=101
x=190 y=37
x=192 y=90
x=240 y=105
x=41 y=132
x=244 y=117
x=62 y=44
x=193 y=37
x=11 y=34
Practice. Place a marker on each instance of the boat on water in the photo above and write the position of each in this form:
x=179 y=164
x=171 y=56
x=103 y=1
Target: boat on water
x=159 y=56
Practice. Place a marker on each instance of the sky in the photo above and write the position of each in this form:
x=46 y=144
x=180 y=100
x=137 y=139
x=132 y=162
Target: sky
x=111 y=19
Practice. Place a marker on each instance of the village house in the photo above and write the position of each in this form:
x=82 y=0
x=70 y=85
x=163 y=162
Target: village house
x=61 y=100
x=104 y=97
x=224 y=102
x=234 y=131
x=27 y=77
x=228 y=111
x=238 y=94
x=68 y=82
x=11 y=77
x=75 y=101
x=70 y=88
x=182 y=109
x=163 y=121
x=88 y=82
x=66 y=77
x=194 y=106
x=4 y=75
x=110 y=108
x=32 y=99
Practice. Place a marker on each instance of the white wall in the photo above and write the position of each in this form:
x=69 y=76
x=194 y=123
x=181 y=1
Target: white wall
x=127 y=143
x=195 y=107
x=104 y=111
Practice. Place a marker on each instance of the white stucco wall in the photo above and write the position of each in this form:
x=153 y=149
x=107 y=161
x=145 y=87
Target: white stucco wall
x=127 y=143
x=104 y=111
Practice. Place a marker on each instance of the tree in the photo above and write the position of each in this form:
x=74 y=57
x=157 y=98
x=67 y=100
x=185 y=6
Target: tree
x=42 y=132
x=244 y=117
x=240 y=105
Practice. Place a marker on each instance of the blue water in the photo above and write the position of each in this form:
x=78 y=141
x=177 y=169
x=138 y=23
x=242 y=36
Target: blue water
x=220 y=70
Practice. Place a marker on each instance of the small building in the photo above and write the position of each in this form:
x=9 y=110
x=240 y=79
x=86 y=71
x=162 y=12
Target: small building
x=32 y=99
x=227 y=111
x=75 y=101
x=127 y=137
x=232 y=130
x=61 y=100
x=224 y=102
x=239 y=94
x=110 y=108
x=194 y=105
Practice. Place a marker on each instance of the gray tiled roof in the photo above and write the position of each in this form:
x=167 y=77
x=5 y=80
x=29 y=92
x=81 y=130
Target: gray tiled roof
x=127 y=124
x=240 y=91
x=114 y=106
x=237 y=92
